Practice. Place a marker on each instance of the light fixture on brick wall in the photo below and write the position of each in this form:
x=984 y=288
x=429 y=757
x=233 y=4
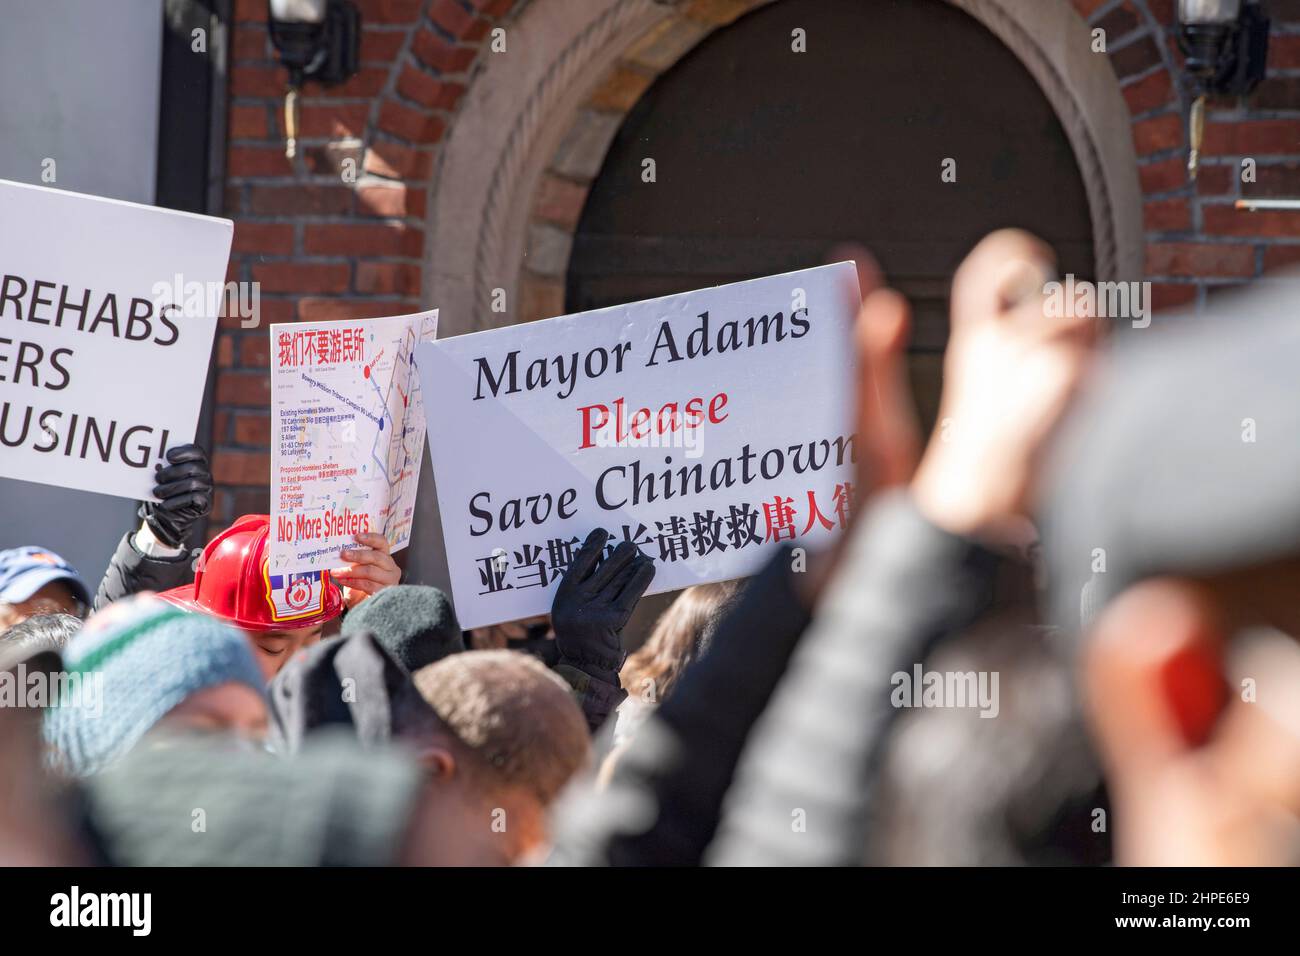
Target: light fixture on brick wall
x=318 y=40
x=1225 y=45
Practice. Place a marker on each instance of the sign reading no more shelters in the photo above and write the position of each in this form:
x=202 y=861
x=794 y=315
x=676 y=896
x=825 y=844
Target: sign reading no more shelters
x=347 y=435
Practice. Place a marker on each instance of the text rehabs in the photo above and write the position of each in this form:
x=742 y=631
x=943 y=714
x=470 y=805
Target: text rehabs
x=37 y=302
x=108 y=312
x=98 y=313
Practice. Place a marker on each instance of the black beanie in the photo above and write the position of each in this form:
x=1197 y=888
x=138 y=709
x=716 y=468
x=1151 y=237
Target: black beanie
x=414 y=623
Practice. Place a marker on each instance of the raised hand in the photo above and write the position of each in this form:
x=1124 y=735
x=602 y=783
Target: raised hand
x=595 y=600
x=1009 y=375
x=372 y=568
x=184 y=490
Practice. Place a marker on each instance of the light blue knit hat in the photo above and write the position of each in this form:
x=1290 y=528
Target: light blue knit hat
x=131 y=664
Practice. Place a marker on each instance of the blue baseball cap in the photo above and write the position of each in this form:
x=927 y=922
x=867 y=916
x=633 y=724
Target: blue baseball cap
x=24 y=571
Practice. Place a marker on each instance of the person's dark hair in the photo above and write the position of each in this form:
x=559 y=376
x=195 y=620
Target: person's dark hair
x=681 y=635
x=1022 y=789
x=36 y=635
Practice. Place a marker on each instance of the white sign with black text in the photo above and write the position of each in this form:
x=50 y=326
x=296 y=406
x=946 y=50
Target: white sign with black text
x=708 y=427
x=107 y=314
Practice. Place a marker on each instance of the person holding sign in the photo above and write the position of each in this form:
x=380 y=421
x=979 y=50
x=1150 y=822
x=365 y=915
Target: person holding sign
x=371 y=570
x=581 y=639
x=592 y=606
x=806 y=714
x=284 y=612
x=156 y=557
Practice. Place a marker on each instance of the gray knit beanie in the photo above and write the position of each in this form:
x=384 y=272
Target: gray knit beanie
x=177 y=801
x=415 y=624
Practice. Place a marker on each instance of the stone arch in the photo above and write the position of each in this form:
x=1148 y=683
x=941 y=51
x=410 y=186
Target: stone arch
x=537 y=120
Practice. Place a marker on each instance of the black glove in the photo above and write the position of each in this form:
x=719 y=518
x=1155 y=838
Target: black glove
x=185 y=490
x=592 y=604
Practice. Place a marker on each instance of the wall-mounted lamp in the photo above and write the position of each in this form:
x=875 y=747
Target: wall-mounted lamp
x=1225 y=43
x=317 y=40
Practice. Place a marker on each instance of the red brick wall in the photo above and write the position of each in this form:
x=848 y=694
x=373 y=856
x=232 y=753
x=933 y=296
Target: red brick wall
x=323 y=248
x=320 y=247
x=1196 y=241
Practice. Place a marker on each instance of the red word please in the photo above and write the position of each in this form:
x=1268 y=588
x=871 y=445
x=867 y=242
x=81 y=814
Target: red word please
x=642 y=423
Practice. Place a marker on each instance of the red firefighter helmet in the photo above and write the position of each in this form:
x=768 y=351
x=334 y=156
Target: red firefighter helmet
x=234 y=582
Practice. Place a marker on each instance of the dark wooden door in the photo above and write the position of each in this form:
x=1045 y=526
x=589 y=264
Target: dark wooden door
x=765 y=159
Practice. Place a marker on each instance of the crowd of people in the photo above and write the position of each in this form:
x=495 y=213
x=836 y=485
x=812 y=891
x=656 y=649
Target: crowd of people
x=1059 y=630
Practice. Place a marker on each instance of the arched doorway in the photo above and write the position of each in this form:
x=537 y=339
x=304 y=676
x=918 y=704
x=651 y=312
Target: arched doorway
x=537 y=124
x=765 y=159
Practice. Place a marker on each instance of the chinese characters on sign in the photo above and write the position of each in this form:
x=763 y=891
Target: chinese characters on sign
x=707 y=427
x=347 y=435
x=676 y=539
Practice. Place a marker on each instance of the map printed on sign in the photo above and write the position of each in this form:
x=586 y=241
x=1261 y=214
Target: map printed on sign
x=347 y=436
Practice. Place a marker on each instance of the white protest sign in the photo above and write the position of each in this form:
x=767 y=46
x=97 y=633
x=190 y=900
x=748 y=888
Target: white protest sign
x=347 y=435
x=103 y=347
x=707 y=427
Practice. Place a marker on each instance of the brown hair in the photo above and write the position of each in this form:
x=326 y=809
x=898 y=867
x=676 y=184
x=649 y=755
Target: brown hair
x=517 y=718
x=681 y=635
